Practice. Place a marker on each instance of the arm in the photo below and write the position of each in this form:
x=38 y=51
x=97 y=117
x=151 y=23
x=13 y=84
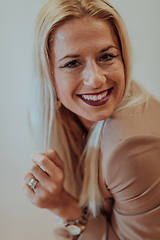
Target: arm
x=132 y=174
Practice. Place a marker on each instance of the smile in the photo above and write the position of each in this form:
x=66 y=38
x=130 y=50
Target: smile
x=96 y=99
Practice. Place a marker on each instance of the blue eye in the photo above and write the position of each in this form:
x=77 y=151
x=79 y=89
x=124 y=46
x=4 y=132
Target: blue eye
x=72 y=64
x=107 y=57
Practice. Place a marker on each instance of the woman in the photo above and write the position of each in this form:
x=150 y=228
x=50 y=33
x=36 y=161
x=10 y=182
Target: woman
x=101 y=172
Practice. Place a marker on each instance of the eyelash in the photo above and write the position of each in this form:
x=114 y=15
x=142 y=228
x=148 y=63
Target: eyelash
x=107 y=57
x=76 y=63
x=72 y=64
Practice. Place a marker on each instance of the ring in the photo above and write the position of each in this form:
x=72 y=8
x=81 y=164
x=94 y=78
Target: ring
x=32 y=183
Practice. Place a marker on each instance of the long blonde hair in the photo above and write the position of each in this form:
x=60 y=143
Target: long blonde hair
x=58 y=128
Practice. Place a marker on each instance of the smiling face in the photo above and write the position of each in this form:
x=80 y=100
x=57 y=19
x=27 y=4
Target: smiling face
x=88 y=70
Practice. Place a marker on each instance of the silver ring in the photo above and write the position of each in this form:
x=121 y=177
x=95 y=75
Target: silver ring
x=32 y=183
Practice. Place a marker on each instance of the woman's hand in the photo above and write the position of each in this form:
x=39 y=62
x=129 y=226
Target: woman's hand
x=49 y=193
x=48 y=170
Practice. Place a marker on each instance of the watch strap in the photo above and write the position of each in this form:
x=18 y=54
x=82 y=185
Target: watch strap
x=76 y=227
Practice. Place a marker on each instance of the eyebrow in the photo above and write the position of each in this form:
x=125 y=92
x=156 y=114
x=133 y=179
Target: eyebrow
x=70 y=56
x=106 y=49
x=77 y=55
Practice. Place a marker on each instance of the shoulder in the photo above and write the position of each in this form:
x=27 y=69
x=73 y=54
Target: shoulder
x=130 y=151
x=135 y=121
x=141 y=119
x=133 y=156
x=132 y=133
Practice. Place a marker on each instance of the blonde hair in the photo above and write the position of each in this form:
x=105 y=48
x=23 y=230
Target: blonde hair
x=58 y=128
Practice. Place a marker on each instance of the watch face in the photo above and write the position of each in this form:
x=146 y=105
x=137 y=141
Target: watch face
x=73 y=229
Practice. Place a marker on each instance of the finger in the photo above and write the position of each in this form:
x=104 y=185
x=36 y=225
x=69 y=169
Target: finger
x=39 y=174
x=28 y=177
x=44 y=162
x=33 y=196
x=54 y=157
x=39 y=158
x=41 y=153
x=28 y=191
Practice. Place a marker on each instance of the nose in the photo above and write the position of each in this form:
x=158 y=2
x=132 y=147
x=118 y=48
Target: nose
x=93 y=75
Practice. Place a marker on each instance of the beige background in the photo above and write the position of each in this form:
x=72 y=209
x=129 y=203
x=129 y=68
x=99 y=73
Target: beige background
x=19 y=220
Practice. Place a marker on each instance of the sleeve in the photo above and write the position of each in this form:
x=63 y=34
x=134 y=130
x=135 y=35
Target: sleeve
x=132 y=174
x=98 y=229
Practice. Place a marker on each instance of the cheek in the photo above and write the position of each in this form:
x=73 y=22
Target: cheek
x=60 y=84
x=119 y=75
x=64 y=91
x=61 y=91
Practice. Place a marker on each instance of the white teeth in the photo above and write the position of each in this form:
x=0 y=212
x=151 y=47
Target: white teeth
x=95 y=97
x=99 y=97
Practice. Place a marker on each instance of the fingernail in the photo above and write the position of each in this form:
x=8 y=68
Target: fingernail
x=41 y=167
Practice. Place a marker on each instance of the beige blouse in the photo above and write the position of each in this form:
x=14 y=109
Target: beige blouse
x=130 y=176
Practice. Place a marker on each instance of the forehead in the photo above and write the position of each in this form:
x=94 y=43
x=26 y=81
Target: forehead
x=84 y=32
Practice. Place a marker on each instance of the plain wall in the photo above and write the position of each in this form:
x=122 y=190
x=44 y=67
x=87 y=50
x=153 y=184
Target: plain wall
x=19 y=220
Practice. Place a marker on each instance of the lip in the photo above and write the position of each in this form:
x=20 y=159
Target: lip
x=98 y=102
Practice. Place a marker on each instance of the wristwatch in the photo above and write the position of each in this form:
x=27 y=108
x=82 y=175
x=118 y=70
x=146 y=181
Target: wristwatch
x=76 y=227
